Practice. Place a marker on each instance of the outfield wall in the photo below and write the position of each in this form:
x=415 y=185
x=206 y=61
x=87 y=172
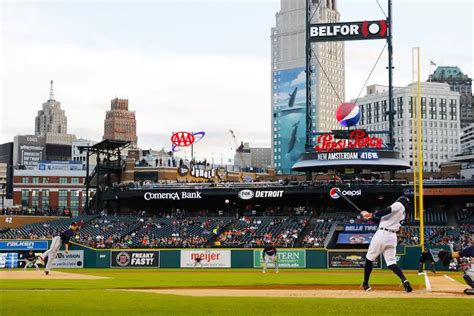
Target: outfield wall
x=11 y=252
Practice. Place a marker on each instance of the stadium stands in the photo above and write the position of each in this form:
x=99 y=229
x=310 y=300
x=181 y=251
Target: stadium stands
x=184 y=231
x=255 y=231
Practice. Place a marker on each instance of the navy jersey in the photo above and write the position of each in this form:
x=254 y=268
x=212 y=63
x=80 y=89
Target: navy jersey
x=467 y=252
x=31 y=257
x=269 y=251
x=66 y=236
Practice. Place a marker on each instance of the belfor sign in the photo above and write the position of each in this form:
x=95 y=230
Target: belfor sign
x=348 y=31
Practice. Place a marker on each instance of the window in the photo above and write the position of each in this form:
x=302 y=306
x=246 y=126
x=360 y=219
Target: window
x=35 y=180
x=62 y=199
x=45 y=180
x=452 y=109
x=412 y=106
x=443 y=112
x=433 y=114
x=35 y=198
x=74 y=180
x=25 y=180
x=400 y=107
x=24 y=197
x=45 y=199
x=423 y=107
x=62 y=180
x=74 y=200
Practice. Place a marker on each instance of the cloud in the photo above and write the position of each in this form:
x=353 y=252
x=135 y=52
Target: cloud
x=300 y=79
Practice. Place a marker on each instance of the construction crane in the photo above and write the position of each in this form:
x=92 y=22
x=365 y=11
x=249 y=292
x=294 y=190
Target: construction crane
x=238 y=149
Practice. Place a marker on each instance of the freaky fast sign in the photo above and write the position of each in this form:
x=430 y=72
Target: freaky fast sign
x=348 y=31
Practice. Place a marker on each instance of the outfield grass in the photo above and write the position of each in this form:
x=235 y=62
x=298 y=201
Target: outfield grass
x=95 y=297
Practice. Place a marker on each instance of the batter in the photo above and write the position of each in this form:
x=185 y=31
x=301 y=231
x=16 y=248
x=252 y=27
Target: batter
x=385 y=240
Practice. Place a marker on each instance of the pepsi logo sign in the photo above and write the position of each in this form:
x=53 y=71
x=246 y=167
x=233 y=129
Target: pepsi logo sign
x=333 y=193
x=348 y=114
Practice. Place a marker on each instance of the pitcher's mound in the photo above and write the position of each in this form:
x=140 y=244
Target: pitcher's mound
x=56 y=275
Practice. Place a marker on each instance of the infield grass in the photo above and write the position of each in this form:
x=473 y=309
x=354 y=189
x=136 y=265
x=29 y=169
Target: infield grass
x=97 y=297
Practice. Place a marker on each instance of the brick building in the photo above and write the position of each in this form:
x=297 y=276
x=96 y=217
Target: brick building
x=120 y=123
x=49 y=189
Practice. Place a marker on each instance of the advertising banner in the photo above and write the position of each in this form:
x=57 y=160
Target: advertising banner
x=289 y=111
x=349 y=259
x=287 y=258
x=73 y=259
x=354 y=238
x=359 y=228
x=348 y=31
x=135 y=259
x=23 y=245
x=209 y=258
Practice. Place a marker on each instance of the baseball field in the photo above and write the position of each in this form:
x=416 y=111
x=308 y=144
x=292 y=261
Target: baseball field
x=226 y=292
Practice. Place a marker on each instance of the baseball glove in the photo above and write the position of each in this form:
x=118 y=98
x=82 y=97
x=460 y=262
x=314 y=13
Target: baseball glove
x=445 y=257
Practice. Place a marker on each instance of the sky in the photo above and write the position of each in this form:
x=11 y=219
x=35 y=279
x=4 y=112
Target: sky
x=190 y=65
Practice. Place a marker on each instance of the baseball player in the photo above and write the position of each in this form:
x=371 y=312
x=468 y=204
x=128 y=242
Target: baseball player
x=466 y=256
x=30 y=261
x=385 y=240
x=197 y=261
x=269 y=254
x=426 y=256
x=56 y=243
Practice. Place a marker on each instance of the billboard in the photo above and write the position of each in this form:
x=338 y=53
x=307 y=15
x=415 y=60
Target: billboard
x=135 y=259
x=72 y=259
x=350 y=259
x=348 y=31
x=289 y=112
x=23 y=245
x=29 y=150
x=354 y=238
x=287 y=258
x=210 y=258
x=59 y=165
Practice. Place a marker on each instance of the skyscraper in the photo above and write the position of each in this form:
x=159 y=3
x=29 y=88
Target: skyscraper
x=459 y=82
x=288 y=40
x=51 y=122
x=439 y=115
x=120 y=123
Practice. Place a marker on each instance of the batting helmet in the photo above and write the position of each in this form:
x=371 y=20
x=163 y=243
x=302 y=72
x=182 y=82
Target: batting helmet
x=404 y=200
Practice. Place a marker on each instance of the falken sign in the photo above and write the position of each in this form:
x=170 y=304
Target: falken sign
x=348 y=31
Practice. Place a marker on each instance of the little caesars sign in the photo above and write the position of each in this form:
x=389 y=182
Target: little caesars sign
x=172 y=195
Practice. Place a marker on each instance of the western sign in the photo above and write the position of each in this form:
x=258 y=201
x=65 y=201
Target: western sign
x=348 y=31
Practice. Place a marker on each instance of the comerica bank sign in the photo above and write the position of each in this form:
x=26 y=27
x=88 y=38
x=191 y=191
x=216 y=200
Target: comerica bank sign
x=172 y=195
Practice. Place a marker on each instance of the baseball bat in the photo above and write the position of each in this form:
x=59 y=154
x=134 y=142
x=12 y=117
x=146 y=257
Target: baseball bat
x=348 y=200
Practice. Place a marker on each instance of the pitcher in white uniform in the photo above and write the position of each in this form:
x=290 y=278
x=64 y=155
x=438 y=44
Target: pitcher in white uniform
x=385 y=240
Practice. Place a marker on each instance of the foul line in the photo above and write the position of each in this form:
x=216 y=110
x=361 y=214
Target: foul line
x=449 y=278
x=427 y=282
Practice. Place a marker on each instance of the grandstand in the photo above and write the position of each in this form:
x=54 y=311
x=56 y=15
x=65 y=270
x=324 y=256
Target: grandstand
x=171 y=231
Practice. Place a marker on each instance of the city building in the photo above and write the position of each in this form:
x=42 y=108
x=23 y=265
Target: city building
x=120 y=123
x=440 y=120
x=467 y=139
x=51 y=122
x=459 y=82
x=3 y=184
x=79 y=155
x=288 y=80
x=49 y=189
x=6 y=157
x=253 y=157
